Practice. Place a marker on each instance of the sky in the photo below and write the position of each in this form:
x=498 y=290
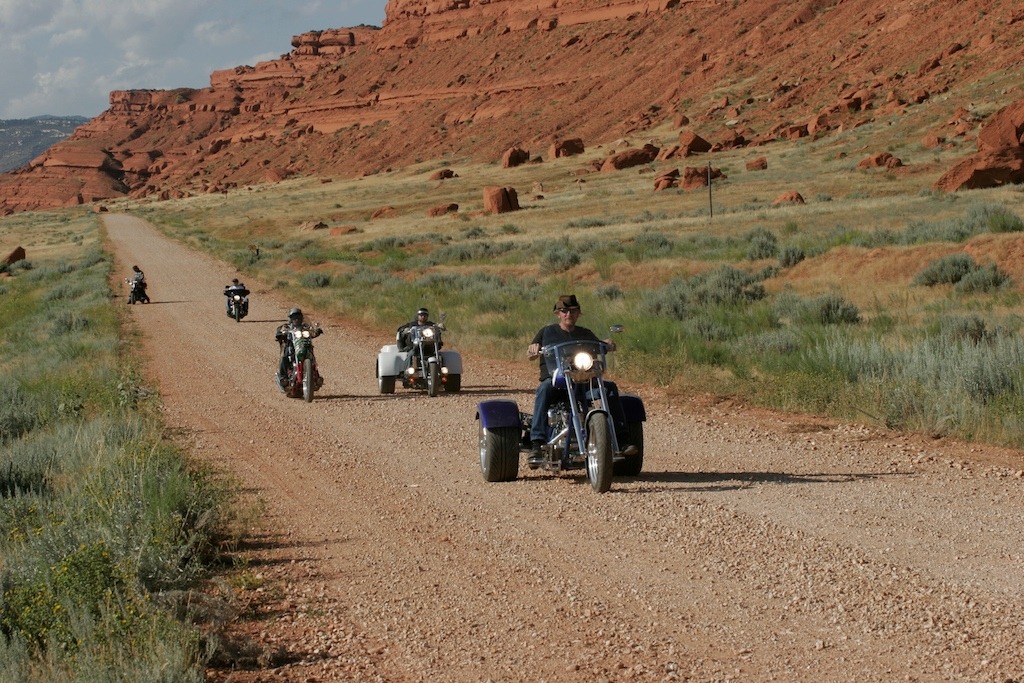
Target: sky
x=64 y=57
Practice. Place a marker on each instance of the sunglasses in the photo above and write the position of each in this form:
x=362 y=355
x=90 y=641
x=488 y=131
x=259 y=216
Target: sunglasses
x=567 y=310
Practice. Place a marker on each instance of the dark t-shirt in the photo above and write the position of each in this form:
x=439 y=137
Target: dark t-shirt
x=554 y=334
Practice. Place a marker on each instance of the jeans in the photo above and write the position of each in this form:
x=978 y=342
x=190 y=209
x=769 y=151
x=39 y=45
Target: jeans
x=547 y=394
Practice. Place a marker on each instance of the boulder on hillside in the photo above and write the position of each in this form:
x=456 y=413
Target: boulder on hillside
x=627 y=158
x=514 y=156
x=696 y=177
x=790 y=197
x=880 y=160
x=566 y=148
x=384 y=212
x=666 y=180
x=1000 y=156
x=758 y=164
x=443 y=174
x=691 y=143
x=18 y=254
x=500 y=200
x=441 y=210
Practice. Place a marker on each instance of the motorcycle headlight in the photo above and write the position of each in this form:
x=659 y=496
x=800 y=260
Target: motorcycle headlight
x=583 y=361
x=237 y=298
x=305 y=334
x=428 y=333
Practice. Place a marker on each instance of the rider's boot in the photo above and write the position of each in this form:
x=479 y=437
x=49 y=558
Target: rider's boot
x=536 y=458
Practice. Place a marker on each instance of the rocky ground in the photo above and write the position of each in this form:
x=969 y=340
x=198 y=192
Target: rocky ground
x=754 y=547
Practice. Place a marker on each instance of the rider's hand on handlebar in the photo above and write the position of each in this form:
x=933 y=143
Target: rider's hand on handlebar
x=609 y=345
x=533 y=351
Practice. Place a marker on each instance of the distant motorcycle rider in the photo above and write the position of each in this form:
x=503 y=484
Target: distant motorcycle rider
x=137 y=281
x=295 y=322
x=235 y=287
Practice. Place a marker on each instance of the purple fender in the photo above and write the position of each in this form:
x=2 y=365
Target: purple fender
x=501 y=413
x=633 y=408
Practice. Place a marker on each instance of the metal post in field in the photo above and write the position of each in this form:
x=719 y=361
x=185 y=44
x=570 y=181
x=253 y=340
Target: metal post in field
x=711 y=208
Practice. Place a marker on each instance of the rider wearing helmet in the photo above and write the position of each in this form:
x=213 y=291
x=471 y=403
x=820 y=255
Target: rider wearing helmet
x=295 y=321
x=404 y=334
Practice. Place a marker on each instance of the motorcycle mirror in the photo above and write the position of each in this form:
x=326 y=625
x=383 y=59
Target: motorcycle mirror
x=615 y=329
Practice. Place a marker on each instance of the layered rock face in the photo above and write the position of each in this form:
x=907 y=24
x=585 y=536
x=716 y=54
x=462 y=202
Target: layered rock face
x=470 y=79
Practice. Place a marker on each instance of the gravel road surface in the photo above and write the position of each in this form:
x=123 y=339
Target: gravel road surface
x=754 y=547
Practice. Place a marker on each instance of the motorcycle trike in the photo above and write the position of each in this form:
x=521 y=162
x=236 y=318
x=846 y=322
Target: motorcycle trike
x=582 y=433
x=424 y=367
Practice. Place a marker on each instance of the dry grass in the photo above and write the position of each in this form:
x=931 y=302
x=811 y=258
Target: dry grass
x=618 y=206
x=614 y=223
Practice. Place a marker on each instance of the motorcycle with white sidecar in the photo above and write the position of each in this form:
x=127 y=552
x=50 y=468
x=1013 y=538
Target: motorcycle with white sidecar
x=423 y=367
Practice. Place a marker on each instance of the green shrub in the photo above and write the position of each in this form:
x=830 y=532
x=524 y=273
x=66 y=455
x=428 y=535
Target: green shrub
x=994 y=218
x=762 y=244
x=1005 y=222
x=949 y=269
x=970 y=328
x=648 y=245
x=590 y=222
x=828 y=309
x=983 y=279
x=610 y=292
x=724 y=286
x=315 y=280
x=791 y=256
x=559 y=258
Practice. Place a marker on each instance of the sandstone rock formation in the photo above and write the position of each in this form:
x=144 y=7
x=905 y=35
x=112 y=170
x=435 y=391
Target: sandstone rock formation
x=474 y=78
x=500 y=200
x=880 y=160
x=17 y=254
x=443 y=209
x=1000 y=156
x=757 y=164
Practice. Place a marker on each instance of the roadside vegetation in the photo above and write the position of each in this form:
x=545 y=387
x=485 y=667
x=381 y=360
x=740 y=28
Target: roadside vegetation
x=878 y=300
x=106 y=529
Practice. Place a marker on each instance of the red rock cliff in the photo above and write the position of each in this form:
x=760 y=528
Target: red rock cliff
x=469 y=79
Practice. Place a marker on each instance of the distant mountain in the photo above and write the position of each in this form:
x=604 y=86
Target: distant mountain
x=22 y=140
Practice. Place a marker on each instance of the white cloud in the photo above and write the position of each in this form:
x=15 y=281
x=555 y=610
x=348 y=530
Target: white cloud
x=65 y=56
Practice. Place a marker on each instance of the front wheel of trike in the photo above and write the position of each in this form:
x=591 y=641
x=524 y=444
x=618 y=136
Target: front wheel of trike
x=599 y=453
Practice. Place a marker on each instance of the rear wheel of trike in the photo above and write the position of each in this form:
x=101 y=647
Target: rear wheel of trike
x=632 y=435
x=453 y=384
x=386 y=385
x=499 y=453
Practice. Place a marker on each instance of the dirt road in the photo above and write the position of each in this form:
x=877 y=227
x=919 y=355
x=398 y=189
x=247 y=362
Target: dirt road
x=754 y=547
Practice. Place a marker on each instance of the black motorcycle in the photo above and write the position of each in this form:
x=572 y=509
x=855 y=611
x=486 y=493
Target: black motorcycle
x=301 y=376
x=137 y=290
x=238 y=302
